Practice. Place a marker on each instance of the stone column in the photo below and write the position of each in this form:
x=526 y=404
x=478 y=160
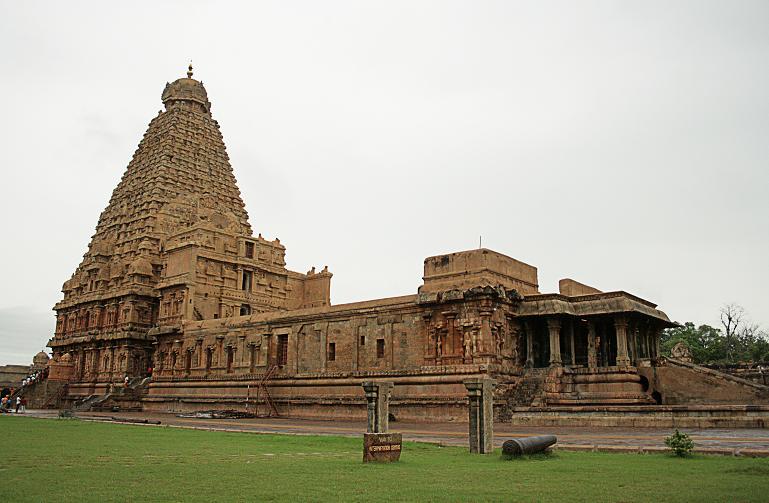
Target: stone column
x=656 y=334
x=620 y=326
x=572 y=356
x=199 y=352
x=323 y=346
x=112 y=362
x=242 y=349
x=527 y=325
x=592 y=357
x=378 y=405
x=453 y=346
x=554 y=327
x=480 y=394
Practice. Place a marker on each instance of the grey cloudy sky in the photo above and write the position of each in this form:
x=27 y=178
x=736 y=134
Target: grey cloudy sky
x=623 y=144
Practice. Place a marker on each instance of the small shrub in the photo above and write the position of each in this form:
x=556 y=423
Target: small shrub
x=680 y=443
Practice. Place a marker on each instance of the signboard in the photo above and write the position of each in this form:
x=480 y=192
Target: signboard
x=381 y=447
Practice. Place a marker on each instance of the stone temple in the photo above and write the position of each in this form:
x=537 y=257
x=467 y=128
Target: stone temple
x=175 y=282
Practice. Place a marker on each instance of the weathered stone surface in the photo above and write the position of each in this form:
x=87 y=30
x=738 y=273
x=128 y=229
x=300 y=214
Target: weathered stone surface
x=378 y=406
x=382 y=447
x=480 y=395
x=528 y=445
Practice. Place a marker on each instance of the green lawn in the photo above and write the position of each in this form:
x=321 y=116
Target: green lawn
x=71 y=460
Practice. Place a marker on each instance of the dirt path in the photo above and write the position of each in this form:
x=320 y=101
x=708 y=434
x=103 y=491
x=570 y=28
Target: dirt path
x=713 y=440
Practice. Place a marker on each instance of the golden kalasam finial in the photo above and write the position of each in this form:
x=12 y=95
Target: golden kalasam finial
x=189 y=71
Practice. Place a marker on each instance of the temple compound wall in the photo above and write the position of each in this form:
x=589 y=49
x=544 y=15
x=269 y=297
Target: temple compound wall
x=174 y=285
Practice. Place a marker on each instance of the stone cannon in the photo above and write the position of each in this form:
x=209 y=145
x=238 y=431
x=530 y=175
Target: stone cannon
x=528 y=445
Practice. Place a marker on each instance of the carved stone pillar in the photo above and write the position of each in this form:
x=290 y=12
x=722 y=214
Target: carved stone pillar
x=97 y=321
x=592 y=358
x=620 y=326
x=485 y=339
x=480 y=394
x=572 y=356
x=242 y=350
x=554 y=328
x=378 y=405
x=656 y=334
x=112 y=361
x=453 y=346
x=529 y=328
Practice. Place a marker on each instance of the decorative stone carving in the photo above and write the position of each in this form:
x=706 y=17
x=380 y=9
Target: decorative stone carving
x=681 y=352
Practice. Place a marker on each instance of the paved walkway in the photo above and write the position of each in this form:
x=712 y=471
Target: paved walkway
x=725 y=441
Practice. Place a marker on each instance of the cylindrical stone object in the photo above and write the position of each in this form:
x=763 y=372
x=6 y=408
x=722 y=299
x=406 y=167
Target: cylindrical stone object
x=528 y=445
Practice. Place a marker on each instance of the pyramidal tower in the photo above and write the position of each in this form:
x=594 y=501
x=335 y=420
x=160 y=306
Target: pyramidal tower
x=173 y=246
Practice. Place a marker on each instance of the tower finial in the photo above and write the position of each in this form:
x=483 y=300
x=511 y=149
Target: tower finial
x=189 y=70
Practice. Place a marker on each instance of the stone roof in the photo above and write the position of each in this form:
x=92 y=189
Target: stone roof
x=186 y=89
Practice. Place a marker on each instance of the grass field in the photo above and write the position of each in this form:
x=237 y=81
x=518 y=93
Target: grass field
x=71 y=460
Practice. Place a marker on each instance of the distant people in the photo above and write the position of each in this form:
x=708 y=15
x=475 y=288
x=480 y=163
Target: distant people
x=18 y=404
x=125 y=382
x=23 y=405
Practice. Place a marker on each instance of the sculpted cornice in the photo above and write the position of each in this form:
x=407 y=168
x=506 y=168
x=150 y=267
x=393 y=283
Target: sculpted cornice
x=587 y=305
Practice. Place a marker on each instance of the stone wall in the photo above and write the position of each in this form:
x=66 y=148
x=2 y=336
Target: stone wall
x=679 y=383
x=571 y=288
x=12 y=375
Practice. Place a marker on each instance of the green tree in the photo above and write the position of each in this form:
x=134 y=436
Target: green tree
x=738 y=340
x=707 y=344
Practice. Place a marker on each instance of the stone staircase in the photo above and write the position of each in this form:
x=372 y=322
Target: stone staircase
x=86 y=403
x=43 y=394
x=120 y=399
x=527 y=392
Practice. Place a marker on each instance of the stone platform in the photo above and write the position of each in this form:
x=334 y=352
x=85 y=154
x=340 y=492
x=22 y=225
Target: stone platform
x=659 y=416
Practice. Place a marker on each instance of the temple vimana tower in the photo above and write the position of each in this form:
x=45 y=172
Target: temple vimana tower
x=175 y=282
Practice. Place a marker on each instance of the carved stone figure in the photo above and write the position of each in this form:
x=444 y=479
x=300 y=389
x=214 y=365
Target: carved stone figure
x=681 y=352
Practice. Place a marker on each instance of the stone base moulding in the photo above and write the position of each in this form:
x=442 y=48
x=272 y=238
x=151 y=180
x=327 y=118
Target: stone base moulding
x=382 y=447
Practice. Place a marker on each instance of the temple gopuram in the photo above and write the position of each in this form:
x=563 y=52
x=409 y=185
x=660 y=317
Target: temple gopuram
x=177 y=295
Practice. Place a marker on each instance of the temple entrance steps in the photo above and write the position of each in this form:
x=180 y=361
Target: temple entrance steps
x=43 y=394
x=123 y=397
x=84 y=404
x=604 y=386
x=528 y=391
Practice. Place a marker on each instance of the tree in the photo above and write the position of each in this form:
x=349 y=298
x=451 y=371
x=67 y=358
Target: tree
x=706 y=343
x=738 y=340
x=731 y=319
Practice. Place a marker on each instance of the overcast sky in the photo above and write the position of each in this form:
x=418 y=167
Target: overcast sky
x=622 y=144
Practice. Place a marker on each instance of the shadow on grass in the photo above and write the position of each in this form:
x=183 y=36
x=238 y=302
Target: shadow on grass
x=547 y=455
x=751 y=470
